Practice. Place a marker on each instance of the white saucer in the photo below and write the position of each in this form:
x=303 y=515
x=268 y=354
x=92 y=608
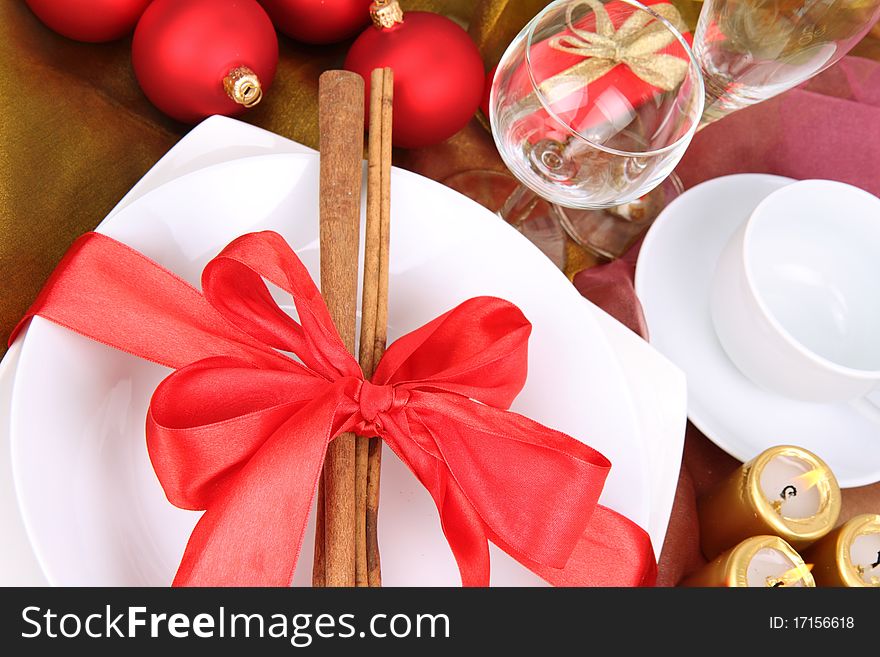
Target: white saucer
x=673 y=278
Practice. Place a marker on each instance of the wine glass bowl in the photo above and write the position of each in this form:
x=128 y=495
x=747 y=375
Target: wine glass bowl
x=595 y=101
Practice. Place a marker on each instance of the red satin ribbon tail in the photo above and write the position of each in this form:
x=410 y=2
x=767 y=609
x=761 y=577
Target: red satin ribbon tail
x=614 y=551
x=466 y=536
x=109 y=292
x=533 y=487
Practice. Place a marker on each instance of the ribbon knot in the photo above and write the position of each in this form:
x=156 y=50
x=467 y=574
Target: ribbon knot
x=638 y=43
x=239 y=429
x=375 y=401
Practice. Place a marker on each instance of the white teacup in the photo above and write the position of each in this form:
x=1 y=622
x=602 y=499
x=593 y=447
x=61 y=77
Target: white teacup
x=796 y=294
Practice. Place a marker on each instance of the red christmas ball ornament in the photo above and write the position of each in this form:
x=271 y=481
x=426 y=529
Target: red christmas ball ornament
x=195 y=58
x=438 y=72
x=327 y=21
x=89 y=20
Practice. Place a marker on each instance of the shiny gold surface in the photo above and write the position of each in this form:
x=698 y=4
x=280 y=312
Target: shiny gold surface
x=797 y=531
x=730 y=569
x=737 y=507
x=386 y=13
x=832 y=556
x=243 y=86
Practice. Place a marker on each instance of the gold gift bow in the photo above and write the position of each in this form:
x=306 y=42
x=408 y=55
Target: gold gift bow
x=636 y=44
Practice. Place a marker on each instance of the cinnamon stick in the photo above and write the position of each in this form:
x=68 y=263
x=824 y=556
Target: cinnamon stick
x=341 y=120
x=369 y=307
x=369 y=300
x=319 y=575
x=374 y=309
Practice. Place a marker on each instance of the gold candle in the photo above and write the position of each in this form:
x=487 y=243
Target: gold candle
x=785 y=491
x=758 y=561
x=850 y=555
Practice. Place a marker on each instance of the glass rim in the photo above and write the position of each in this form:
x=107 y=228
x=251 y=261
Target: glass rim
x=693 y=65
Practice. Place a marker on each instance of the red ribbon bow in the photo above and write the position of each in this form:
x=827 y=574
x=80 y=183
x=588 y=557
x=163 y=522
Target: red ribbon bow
x=240 y=429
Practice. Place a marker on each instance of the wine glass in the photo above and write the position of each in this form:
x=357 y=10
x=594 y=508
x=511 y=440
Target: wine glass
x=592 y=106
x=749 y=51
x=752 y=50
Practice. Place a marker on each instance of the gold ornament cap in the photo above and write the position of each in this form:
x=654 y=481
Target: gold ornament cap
x=386 y=13
x=243 y=86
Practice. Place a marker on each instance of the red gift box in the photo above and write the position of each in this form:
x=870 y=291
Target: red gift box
x=596 y=94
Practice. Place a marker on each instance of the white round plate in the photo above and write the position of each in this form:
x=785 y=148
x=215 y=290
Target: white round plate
x=673 y=278
x=94 y=510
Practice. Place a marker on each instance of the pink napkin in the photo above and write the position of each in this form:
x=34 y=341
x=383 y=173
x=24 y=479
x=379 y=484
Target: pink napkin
x=827 y=128
x=611 y=288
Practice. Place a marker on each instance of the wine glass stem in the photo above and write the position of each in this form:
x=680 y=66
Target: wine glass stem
x=518 y=205
x=713 y=109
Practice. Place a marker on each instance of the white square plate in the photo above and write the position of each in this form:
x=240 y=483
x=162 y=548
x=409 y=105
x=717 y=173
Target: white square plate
x=94 y=510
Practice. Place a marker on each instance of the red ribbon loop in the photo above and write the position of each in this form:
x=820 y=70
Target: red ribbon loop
x=240 y=429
